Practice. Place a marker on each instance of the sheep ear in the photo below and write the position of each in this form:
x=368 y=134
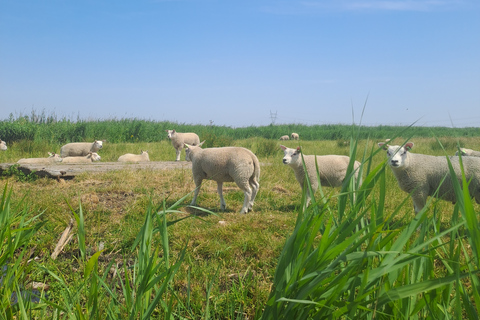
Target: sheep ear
x=202 y=143
x=299 y=149
x=383 y=145
x=409 y=146
x=186 y=145
x=283 y=147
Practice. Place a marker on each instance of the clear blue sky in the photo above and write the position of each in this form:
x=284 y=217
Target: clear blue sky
x=240 y=63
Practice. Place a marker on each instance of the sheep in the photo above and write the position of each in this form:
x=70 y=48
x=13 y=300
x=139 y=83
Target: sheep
x=295 y=136
x=3 y=145
x=52 y=158
x=179 y=139
x=332 y=169
x=421 y=175
x=76 y=149
x=130 y=157
x=285 y=137
x=468 y=152
x=226 y=164
x=89 y=158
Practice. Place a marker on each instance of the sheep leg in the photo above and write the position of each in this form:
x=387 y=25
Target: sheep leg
x=255 y=186
x=178 y=154
x=223 y=205
x=198 y=184
x=419 y=201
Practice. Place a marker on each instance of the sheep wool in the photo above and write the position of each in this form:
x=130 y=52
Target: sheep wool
x=3 y=145
x=227 y=164
x=78 y=149
x=295 y=136
x=130 y=157
x=421 y=175
x=89 y=158
x=332 y=169
x=285 y=137
x=180 y=139
x=53 y=158
x=468 y=152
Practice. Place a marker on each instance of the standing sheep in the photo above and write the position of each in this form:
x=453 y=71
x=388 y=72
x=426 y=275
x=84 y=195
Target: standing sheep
x=285 y=137
x=180 y=139
x=130 y=157
x=3 y=145
x=89 y=158
x=295 y=136
x=227 y=164
x=468 y=152
x=421 y=175
x=76 y=149
x=52 y=158
x=332 y=169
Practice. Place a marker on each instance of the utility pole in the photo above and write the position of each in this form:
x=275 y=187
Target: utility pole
x=273 y=116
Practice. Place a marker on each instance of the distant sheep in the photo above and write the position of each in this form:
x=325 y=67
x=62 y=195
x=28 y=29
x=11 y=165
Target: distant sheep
x=3 y=145
x=130 y=157
x=421 y=175
x=285 y=137
x=77 y=149
x=468 y=152
x=332 y=169
x=227 y=164
x=295 y=136
x=179 y=139
x=53 y=158
x=89 y=158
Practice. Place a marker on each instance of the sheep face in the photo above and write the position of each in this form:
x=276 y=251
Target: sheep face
x=56 y=157
x=170 y=133
x=95 y=156
x=97 y=145
x=397 y=155
x=290 y=155
x=3 y=145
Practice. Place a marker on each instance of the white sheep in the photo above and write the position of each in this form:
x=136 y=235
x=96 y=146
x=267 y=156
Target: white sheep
x=130 y=157
x=421 y=175
x=180 y=139
x=295 y=136
x=52 y=158
x=468 y=152
x=3 y=145
x=285 y=137
x=89 y=158
x=76 y=149
x=332 y=169
x=227 y=164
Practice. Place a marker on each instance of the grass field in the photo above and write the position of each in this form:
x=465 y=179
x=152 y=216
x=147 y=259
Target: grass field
x=231 y=265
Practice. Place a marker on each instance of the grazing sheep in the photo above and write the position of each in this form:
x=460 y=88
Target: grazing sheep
x=227 y=164
x=285 y=137
x=53 y=158
x=332 y=169
x=89 y=158
x=130 y=157
x=3 y=145
x=179 y=139
x=468 y=152
x=76 y=149
x=295 y=136
x=421 y=175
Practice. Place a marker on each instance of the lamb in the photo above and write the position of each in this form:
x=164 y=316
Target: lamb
x=3 y=145
x=421 y=175
x=89 y=158
x=52 y=158
x=130 y=157
x=295 y=136
x=468 y=152
x=180 y=139
x=76 y=149
x=226 y=164
x=332 y=169
x=285 y=137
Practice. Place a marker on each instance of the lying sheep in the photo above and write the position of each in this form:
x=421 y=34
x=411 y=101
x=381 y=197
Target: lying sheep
x=76 y=149
x=285 y=137
x=421 y=175
x=295 y=136
x=332 y=169
x=179 y=139
x=52 y=158
x=227 y=164
x=3 y=145
x=89 y=158
x=130 y=157
x=468 y=152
